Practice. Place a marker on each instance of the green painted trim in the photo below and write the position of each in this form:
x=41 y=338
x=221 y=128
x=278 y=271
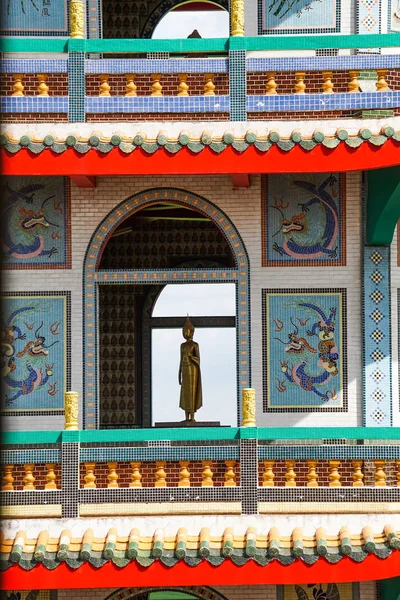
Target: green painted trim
x=383 y=205
x=310 y=42
x=390 y=588
x=204 y=433
x=31 y=437
x=283 y=42
x=21 y=44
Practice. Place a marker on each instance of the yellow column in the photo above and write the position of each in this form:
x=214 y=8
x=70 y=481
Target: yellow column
x=90 y=477
x=300 y=86
x=112 y=476
x=381 y=84
x=156 y=88
x=380 y=475
x=136 y=477
x=354 y=85
x=18 y=87
x=29 y=479
x=183 y=88
x=271 y=84
x=50 y=477
x=184 y=475
x=71 y=411
x=334 y=477
x=357 y=473
x=237 y=17
x=290 y=474
x=207 y=474
x=327 y=86
x=130 y=85
x=8 y=479
x=209 y=86
x=268 y=475
x=160 y=474
x=104 y=85
x=76 y=19
x=249 y=407
x=312 y=474
x=230 y=477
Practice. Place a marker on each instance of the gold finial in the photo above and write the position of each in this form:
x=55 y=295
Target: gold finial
x=249 y=407
x=188 y=327
x=71 y=411
x=76 y=19
x=237 y=17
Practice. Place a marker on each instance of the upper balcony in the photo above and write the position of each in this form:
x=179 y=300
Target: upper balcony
x=226 y=79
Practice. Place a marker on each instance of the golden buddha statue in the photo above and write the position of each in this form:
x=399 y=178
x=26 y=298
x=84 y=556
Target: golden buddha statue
x=189 y=373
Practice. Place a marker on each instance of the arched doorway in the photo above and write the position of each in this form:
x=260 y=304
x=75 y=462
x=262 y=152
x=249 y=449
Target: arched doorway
x=167 y=593
x=101 y=269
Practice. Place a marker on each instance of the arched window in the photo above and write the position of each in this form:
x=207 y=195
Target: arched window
x=209 y=20
x=212 y=310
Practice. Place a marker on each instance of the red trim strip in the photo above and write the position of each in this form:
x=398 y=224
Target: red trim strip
x=184 y=162
x=110 y=576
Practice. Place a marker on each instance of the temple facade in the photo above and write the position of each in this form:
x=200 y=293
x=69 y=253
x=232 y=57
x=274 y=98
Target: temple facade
x=241 y=189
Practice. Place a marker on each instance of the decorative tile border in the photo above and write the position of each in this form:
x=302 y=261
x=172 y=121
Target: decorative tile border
x=313 y=323
x=143 y=65
x=36 y=367
x=321 y=102
x=154 y=104
x=324 y=63
x=36 y=228
x=377 y=337
x=304 y=220
x=93 y=277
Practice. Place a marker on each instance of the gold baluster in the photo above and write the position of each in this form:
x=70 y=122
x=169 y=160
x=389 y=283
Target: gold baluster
x=112 y=476
x=90 y=477
x=290 y=474
x=357 y=473
x=271 y=84
x=29 y=479
x=300 y=86
x=8 y=479
x=209 y=86
x=136 y=477
x=230 y=477
x=43 y=88
x=381 y=84
x=398 y=472
x=380 y=475
x=50 y=477
x=312 y=476
x=334 y=477
x=18 y=87
x=130 y=85
x=156 y=88
x=268 y=475
x=183 y=88
x=207 y=474
x=354 y=84
x=184 y=475
x=104 y=85
x=160 y=474
x=327 y=86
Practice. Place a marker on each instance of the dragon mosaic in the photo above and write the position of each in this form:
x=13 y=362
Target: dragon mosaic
x=305 y=223
x=28 y=361
x=305 y=346
x=33 y=221
x=331 y=592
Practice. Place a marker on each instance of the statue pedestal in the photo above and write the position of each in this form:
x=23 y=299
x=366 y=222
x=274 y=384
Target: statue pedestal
x=173 y=424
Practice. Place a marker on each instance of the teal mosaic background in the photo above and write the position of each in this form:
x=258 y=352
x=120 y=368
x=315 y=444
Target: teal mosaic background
x=35 y=223
x=34 y=351
x=303 y=349
x=20 y=17
x=304 y=219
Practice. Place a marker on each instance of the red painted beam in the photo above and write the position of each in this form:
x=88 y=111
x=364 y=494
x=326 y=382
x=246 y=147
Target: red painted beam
x=110 y=576
x=184 y=162
x=84 y=181
x=241 y=180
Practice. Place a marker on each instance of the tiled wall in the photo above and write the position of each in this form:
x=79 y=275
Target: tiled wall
x=243 y=207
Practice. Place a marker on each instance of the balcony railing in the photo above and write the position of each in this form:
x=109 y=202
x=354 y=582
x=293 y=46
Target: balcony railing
x=209 y=87
x=245 y=470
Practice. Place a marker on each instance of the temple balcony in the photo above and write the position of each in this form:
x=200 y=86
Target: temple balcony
x=235 y=471
x=200 y=79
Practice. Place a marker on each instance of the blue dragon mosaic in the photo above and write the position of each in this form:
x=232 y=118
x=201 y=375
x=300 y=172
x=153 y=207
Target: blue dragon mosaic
x=304 y=221
x=304 y=15
x=33 y=352
x=304 y=350
x=34 y=225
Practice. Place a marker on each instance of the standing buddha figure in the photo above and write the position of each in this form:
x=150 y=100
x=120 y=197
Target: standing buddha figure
x=189 y=373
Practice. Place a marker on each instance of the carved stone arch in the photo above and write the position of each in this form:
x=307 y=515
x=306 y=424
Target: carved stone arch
x=93 y=276
x=164 y=7
x=197 y=591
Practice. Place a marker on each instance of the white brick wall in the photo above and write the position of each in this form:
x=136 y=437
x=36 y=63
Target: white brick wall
x=243 y=206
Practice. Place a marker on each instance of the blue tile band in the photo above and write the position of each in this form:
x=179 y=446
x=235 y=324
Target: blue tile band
x=154 y=104
x=324 y=63
x=377 y=337
x=33 y=66
x=320 y=102
x=138 y=66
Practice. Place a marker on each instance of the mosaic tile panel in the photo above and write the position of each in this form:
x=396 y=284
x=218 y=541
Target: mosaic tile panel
x=35 y=231
x=394 y=15
x=237 y=85
x=377 y=337
x=298 y=16
x=35 y=351
x=368 y=16
x=304 y=350
x=93 y=277
x=34 y=17
x=303 y=220
x=319 y=591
